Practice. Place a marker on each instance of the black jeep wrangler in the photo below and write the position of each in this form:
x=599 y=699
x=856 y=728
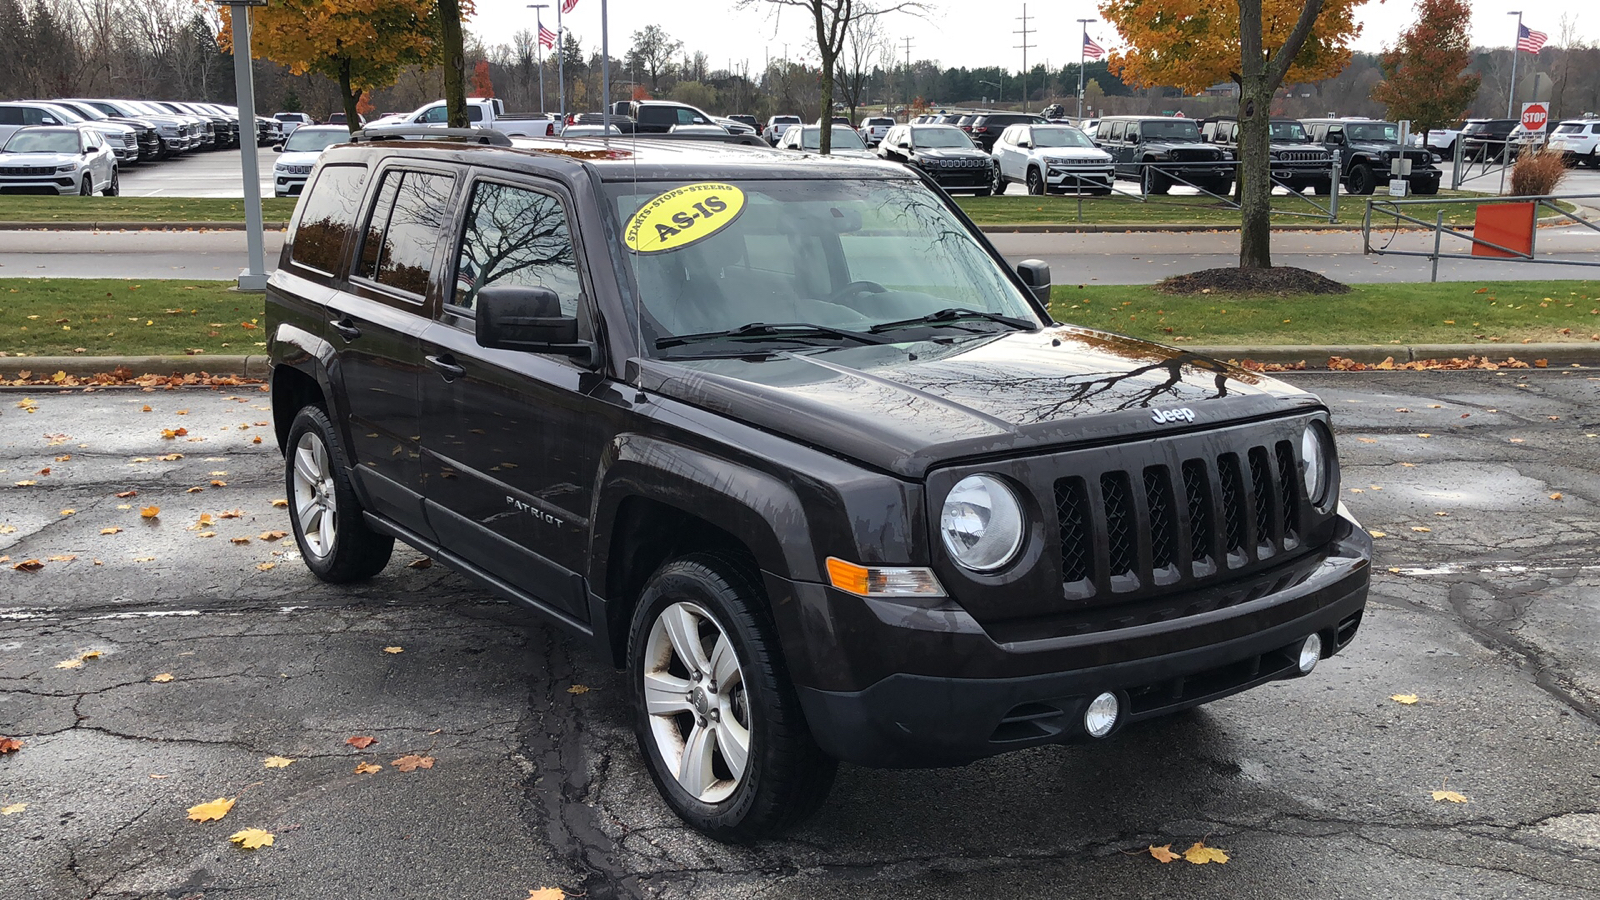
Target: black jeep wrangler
x=1161 y=151
x=787 y=440
x=1367 y=150
x=1295 y=163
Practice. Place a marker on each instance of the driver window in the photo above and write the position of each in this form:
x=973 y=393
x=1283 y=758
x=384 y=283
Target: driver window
x=520 y=237
x=434 y=115
x=1133 y=132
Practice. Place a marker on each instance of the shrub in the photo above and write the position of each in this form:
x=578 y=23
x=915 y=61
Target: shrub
x=1536 y=174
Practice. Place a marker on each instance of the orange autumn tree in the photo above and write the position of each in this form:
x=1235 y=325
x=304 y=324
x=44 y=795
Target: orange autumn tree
x=361 y=44
x=1258 y=44
x=482 y=84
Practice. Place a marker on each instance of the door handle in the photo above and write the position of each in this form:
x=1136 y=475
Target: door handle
x=346 y=328
x=447 y=366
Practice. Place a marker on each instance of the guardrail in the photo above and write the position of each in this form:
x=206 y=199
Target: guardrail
x=1510 y=254
x=1172 y=171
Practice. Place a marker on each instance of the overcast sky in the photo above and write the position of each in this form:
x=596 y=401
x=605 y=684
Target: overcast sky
x=958 y=32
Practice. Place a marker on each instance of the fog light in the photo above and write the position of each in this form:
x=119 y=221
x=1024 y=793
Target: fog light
x=1101 y=715
x=1310 y=652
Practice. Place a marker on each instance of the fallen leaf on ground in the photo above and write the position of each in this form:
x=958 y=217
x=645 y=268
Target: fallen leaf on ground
x=1163 y=853
x=13 y=809
x=1407 y=699
x=1448 y=796
x=361 y=741
x=239 y=540
x=412 y=762
x=170 y=457
x=280 y=504
x=28 y=565
x=1378 y=534
x=231 y=514
x=1422 y=528
x=111 y=530
x=70 y=664
x=163 y=678
x=150 y=512
x=272 y=535
x=1556 y=496
x=578 y=689
x=210 y=812
x=9 y=745
x=126 y=494
x=276 y=762
x=546 y=893
x=1200 y=854
x=252 y=838
x=394 y=649
x=368 y=768
x=26 y=483
x=262 y=567
x=170 y=433
x=423 y=563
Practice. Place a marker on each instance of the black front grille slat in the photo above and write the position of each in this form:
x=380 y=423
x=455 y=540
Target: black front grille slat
x=1121 y=542
x=1288 y=496
x=1197 y=492
x=1163 y=530
x=1261 y=487
x=1232 y=502
x=1077 y=538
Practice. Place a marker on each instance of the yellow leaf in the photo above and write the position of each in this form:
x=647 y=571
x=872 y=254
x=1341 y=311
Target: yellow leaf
x=272 y=535
x=112 y=530
x=70 y=664
x=1200 y=854
x=262 y=567
x=26 y=483
x=13 y=809
x=1163 y=853
x=394 y=649
x=150 y=512
x=412 y=762
x=276 y=762
x=239 y=540
x=1422 y=528
x=64 y=557
x=1556 y=496
x=210 y=812
x=578 y=689
x=252 y=838
x=280 y=504
x=1377 y=534
x=1407 y=699
x=368 y=769
x=69 y=512
x=1450 y=796
x=546 y=893
x=163 y=678
x=1424 y=435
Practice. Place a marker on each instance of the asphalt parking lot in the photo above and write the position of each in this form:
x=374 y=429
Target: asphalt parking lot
x=1485 y=602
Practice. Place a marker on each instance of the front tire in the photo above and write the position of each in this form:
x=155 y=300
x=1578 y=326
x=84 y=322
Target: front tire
x=87 y=188
x=1362 y=179
x=718 y=721
x=1035 y=182
x=114 y=188
x=334 y=539
x=1154 y=182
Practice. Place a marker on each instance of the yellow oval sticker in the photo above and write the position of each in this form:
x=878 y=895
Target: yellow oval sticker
x=683 y=216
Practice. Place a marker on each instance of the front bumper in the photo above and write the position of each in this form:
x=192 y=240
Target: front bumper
x=962 y=178
x=862 y=666
x=288 y=185
x=1067 y=178
x=48 y=184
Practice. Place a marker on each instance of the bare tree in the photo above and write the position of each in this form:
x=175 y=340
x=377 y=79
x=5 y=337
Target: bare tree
x=864 y=45
x=652 y=53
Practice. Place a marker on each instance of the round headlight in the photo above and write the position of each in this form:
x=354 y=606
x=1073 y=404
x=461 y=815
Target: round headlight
x=1316 y=464
x=981 y=523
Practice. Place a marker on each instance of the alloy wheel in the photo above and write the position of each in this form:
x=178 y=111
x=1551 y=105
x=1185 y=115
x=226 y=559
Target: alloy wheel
x=699 y=713
x=315 y=502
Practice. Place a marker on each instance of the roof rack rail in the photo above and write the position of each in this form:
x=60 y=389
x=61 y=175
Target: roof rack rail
x=424 y=133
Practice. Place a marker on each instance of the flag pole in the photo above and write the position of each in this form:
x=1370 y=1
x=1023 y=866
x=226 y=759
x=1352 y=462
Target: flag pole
x=605 y=75
x=561 y=63
x=1083 y=57
x=1511 y=95
x=538 y=48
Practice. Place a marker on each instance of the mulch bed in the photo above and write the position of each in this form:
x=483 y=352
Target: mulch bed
x=1279 y=280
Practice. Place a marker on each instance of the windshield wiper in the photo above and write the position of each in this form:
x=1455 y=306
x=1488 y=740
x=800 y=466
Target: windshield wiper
x=956 y=314
x=760 y=330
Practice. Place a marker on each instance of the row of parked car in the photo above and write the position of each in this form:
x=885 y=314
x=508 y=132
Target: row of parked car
x=1503 y=140
x=129 y=132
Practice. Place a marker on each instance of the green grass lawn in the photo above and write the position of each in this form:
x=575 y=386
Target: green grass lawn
x=1487 y=312
x=1121 y=210
x=117 y=317
x=137 y=209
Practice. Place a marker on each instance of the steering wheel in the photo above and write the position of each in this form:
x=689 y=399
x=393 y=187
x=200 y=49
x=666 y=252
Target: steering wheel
x=856 y=287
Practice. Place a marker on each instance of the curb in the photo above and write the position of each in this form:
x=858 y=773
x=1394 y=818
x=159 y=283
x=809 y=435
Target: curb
x=1313 y=355
x=1187 y=228
x=136 y=226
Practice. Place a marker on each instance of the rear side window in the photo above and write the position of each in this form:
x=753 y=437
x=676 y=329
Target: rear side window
x=658 y=115
x=516 y=236
x=407 y=224
x=327 y=217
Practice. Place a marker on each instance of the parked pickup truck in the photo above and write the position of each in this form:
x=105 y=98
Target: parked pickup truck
x=482 y=113
x=790 y=443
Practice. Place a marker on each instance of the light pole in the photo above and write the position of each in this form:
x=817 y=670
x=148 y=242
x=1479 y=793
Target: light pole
x=997 y=97
x=538 y=48
x=1082 y=61
x=1511 y=95
x=254 y=277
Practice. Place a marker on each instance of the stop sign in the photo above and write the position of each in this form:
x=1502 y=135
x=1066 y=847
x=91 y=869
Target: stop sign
x=1535 y=116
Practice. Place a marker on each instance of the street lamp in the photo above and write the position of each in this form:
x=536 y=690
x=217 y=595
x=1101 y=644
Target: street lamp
x=254 y=277
x=1511 y=98
x=538 y=47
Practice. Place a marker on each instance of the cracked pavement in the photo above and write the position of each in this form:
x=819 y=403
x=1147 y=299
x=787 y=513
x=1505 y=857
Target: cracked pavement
x=1317 y=787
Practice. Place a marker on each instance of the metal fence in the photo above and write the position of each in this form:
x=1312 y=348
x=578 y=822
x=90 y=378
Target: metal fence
x=1386 y=207
x=1203 y=175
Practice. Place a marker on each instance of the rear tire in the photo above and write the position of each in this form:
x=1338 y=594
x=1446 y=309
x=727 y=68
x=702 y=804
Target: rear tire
x=720 y=698
x=334 y=539
x=1593 y=159
x=1362 y=179
x=998 y=185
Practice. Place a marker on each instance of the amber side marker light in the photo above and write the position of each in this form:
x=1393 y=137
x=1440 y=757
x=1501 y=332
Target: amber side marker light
x=883 y=581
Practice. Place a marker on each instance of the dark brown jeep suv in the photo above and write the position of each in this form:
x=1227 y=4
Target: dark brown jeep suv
x=787 y=440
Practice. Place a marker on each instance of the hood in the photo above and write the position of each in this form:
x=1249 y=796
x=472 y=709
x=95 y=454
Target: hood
x=298 y=158
x=392 y=120
x=904 y=408
x=1374 y=146
x=951 y=153
x=39 y=159
x=1073 y=154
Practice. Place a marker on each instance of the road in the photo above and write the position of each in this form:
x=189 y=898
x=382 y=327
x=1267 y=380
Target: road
x=1123 y=258
x=1484 y=605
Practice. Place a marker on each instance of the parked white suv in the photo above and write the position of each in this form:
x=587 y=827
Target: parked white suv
x=1578 y=140
x=44 y=159
x=300 y=152
x=1050 y=158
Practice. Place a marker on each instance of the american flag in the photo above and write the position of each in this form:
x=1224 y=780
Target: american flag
x=1530 y=41
x=567 y=5
x=547 y=38
x=1091 y=50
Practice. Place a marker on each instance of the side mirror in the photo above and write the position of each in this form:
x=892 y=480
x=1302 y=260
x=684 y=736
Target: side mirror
x=904 y=145
x=1035 y=274
x=514 y=317
x=277 y=148
x=1025 y=144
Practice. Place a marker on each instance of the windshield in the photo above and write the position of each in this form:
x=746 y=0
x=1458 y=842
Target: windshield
x=844 y=138
x=1290 y=132
x=88 y=112
x=1170 y=129
x=1382 y=132
x=43 y=142
x=840 y=254
x=307 y=140
x=1060 y=137
x=941 y=138
x=64 y=114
